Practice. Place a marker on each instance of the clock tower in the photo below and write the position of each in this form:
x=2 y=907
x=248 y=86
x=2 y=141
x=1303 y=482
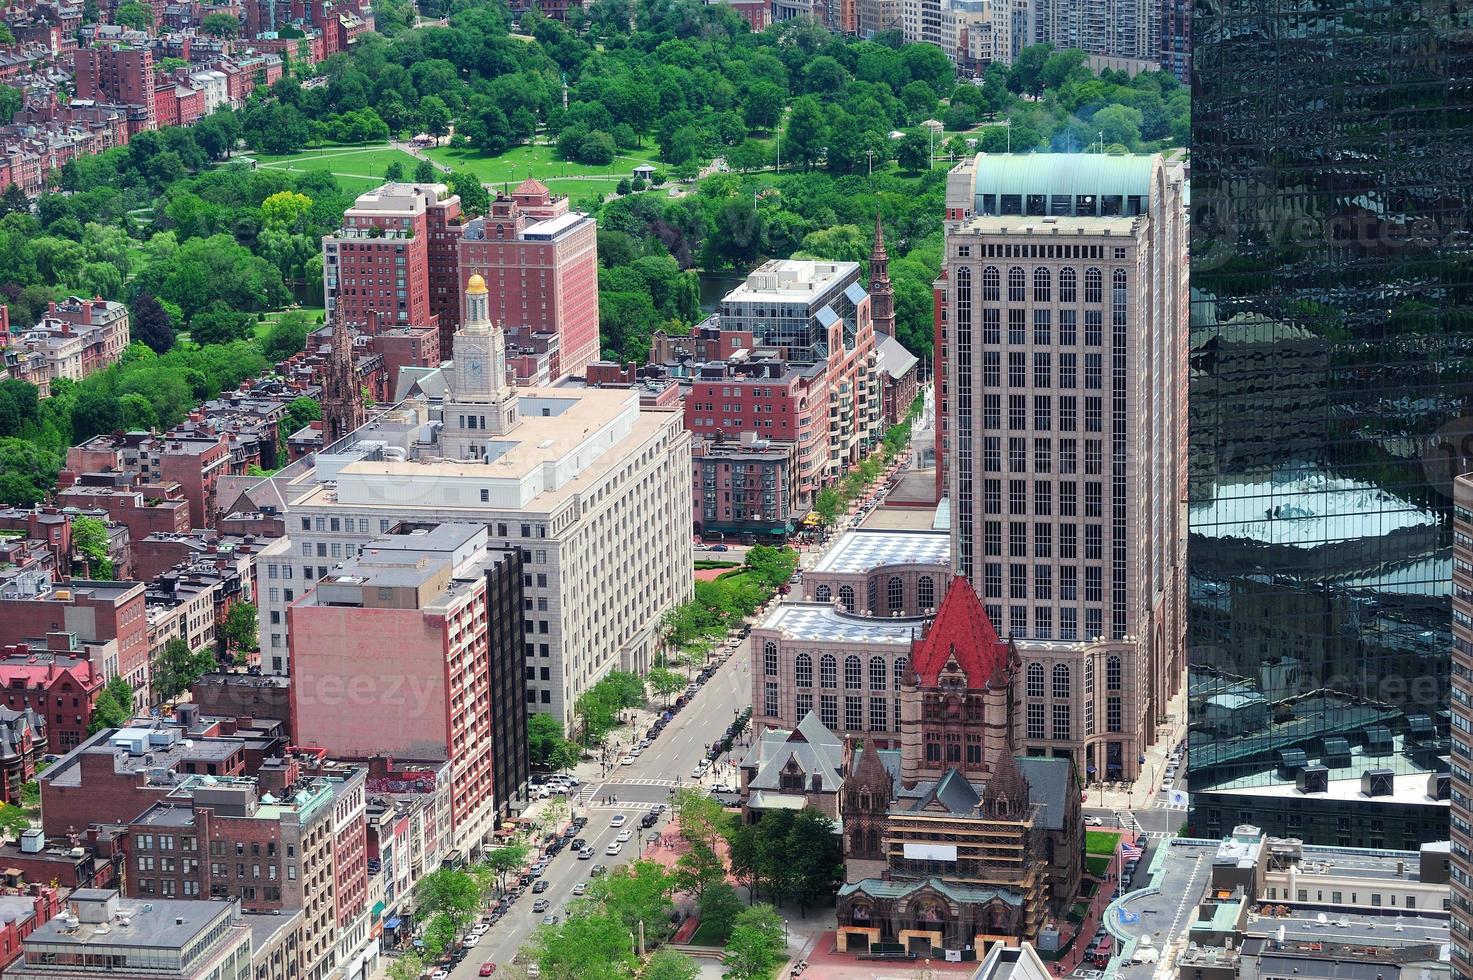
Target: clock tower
x=479 y=405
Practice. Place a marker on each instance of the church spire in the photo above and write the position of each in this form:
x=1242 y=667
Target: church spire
x=881 y=293
x=342 y=401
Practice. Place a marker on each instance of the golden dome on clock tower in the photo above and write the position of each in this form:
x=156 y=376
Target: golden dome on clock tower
x=476 y=284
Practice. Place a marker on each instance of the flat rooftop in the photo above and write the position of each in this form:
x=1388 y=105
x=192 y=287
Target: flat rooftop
x=156 y=923
x=864 y=549
x=821 y=621
x=1063 y=227
x=565 y=440
x=790 y=281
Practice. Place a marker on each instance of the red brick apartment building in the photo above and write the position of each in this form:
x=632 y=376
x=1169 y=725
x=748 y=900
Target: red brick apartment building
x=540 y=262
x=108 y=619
x=59 y=686
x=120 y=75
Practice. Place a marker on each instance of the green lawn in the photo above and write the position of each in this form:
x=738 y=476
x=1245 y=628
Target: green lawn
x=560 y=176
x=1101 y=841
x=706 y=935
x=357 y=168
x=1097 y=864
x=261 y=327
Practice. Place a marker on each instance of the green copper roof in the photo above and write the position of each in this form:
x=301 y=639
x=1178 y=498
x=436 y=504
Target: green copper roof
x=1073 y=174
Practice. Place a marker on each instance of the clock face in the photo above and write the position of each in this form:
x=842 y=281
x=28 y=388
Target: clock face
x=474 y=369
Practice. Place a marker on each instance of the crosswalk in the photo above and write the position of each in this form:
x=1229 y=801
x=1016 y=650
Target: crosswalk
x=630 y=805
x=641 y=782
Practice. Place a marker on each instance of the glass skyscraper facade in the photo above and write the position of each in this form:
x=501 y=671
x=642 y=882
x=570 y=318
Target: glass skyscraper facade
x=1332 y=328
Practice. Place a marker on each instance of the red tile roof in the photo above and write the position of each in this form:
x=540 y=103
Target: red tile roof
x=962 y=630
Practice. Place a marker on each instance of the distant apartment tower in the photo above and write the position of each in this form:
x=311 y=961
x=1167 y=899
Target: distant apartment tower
x=418 y=599
x=119 y=75
x=540 y=263
x=392 y=263
x=1117 y=28
x=1063 y=338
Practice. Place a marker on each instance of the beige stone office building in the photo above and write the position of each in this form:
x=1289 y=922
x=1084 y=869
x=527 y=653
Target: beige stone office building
x=594 y=490
x=1063 y=340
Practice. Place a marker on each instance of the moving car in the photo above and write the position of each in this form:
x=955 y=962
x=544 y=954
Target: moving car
x=597 y=870
x=550 y=919
x=614 y=848
x=1090 y=820
x=618 y=821
x=487 y=968
x=539 y=887
x=580 y=888
x=628 y=760
x=585 y=854
x=540 y=906
x=624 y=835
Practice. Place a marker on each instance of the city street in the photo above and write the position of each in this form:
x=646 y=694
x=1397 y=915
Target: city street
x=649 y=780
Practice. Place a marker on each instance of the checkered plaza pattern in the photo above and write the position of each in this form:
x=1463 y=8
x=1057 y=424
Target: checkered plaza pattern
x=860 y=551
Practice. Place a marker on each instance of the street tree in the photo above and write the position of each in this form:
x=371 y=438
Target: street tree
x=90 y=538
x=241 y=630
x=668 y=964
x=755 y=948
x=114 y=706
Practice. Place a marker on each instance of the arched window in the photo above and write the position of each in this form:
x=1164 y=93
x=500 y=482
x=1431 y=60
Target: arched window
x=828 y=671
x=769 y=659
x=902 y=664
x=824 y=594
x=1061 y=680
x=1119 y=298
x=1017 y=285
x=1066 y=286
x=1089 y=675
x=877 y=673
x=1042 y=284
x=1112 y=673
x=1093 y=286
x=803 y=670
x=925 y=592
x=991 y=284
x=853 y=673
x=1035 y=680
x=846 y=598
x=894 y=593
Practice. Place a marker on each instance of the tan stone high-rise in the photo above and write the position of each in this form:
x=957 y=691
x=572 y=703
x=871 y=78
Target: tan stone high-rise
x=1063 y=343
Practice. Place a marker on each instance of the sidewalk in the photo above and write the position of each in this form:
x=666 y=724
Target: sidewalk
x=1147 y=787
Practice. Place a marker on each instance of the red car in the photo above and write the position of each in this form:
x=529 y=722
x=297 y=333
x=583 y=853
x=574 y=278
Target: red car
x=488 y=968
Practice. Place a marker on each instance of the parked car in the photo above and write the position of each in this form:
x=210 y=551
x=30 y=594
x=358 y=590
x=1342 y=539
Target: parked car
x=648 y=820
x=1090 y=820
x=719 y=547
x=578 y=843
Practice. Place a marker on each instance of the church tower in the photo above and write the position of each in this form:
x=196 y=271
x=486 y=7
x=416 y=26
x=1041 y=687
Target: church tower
x=881 y=293
x=479 y=404
x=342 y=396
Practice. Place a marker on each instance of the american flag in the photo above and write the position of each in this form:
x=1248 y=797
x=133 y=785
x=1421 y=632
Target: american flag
x=1128 y=851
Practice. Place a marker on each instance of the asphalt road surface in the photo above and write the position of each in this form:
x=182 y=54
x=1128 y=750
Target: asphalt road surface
x=664 y=765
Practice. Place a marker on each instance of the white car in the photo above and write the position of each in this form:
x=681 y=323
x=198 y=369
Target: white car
x=1090 y=820
x=580 y=888
x=619 y=820
x=470 y=941
x=628 y=760
x=440 y=975
x=624 y=835
x=614 y=848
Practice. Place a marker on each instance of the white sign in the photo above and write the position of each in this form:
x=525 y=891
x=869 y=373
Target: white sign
x=930 y=852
